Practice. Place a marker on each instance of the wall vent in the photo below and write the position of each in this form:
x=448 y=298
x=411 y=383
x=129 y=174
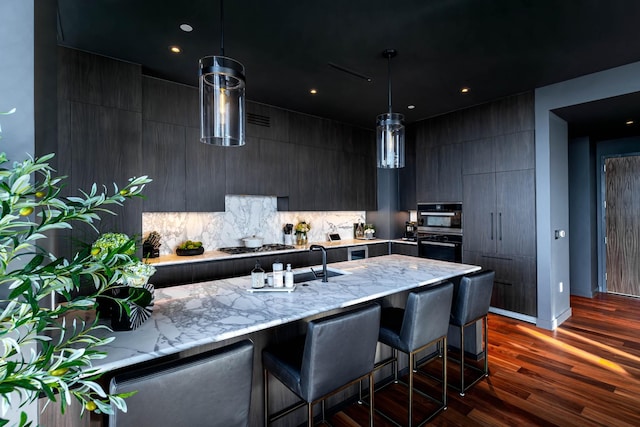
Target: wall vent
x=259 y=120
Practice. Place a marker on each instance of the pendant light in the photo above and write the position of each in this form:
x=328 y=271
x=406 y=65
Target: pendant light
x=390 y=130
x=222 y=97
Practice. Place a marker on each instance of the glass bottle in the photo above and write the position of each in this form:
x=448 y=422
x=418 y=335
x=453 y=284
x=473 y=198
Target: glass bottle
x=257 y=277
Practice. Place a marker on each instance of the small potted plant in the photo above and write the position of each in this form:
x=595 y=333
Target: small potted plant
x=302 y=228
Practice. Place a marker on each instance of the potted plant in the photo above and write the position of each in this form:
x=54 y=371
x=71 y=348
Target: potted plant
x=131 y=303
x=47 y=351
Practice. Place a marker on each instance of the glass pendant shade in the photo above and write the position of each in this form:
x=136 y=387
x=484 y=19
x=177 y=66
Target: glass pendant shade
x=222 y=101
x=390 y=140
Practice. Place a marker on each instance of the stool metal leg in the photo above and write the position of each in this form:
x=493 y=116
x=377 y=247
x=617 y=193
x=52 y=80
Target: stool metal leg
x=462 y=360
x=395 y=365
x=371 y=409
x=444 y=371
x=411 y=360
x=266 y=397
x=486 y=346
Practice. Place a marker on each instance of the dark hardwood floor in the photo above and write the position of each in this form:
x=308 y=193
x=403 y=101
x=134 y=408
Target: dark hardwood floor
x=586 y=373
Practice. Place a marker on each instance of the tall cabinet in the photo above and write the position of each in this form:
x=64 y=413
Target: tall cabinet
x=499 y=216
x=485 y=156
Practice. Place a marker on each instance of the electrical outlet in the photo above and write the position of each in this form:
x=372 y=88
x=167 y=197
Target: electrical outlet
x=561 y=286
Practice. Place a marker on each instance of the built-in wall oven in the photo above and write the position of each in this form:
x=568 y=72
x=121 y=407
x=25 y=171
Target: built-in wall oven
x=440 y=231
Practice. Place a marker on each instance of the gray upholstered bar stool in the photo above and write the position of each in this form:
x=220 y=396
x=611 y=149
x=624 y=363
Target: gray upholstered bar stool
x=422 y=323
x=471 y=303
x=337 y=351
x=212 y=389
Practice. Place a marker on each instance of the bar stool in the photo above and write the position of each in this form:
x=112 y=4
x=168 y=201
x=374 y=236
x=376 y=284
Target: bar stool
x=336 y=352
x=471 y=304
x=423 y=323
x=212 y=389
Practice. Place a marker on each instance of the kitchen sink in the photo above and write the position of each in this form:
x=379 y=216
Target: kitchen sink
x=308 y=276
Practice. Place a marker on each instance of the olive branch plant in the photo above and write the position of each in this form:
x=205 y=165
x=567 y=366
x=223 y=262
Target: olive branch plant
x=47 y=351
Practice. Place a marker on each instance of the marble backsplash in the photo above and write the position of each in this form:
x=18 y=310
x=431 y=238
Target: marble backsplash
x=244 y=216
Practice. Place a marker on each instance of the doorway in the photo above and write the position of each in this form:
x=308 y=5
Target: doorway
x=622 y=224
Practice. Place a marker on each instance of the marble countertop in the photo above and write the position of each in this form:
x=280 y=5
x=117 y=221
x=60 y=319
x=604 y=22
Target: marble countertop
x=189 y=316
x=216 y=255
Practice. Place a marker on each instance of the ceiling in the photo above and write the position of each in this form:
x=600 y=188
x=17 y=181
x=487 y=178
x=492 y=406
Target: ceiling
x=496 y=48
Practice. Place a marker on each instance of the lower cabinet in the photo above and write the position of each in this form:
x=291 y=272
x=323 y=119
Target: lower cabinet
x=514 y=288
x=202 y=271
x=404 y=249
x=378 y=249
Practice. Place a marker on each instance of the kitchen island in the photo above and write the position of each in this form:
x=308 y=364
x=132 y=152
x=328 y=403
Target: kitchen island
x=189 y=319
x=190 y=316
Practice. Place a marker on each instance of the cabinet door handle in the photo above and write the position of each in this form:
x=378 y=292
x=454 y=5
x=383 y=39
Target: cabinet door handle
x=500 y=224
x=491 y=225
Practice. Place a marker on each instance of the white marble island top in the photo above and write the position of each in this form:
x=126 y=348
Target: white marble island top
x=189 y=316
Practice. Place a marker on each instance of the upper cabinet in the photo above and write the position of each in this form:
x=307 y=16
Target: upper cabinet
x=143 y=125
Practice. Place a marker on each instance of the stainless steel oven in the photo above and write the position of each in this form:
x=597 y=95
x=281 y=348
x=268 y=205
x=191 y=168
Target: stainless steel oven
x=440 y=231
x=440 y=218
x=445 y=247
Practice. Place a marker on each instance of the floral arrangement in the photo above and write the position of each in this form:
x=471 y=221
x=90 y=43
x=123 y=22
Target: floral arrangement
x=32 y=362
x=303 y=227
x=136 y=273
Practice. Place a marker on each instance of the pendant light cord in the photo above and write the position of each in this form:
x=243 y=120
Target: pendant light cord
x=389 y=73
x=222 y=27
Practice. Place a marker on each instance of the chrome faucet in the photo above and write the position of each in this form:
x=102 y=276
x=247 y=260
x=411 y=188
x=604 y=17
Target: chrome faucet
x=324 y=261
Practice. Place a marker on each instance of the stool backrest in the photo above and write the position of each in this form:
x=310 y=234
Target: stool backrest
x=473 y=297
x=426 y=315
x=338 y=349
x=212 y=389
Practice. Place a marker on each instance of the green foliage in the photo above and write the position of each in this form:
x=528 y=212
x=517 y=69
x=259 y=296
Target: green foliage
x=49 y=351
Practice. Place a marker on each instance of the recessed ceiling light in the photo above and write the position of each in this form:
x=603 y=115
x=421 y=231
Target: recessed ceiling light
x=411 y=107
x=630 y=122
x=175 y=49
x=313 y=91
x=186 y=28
x=465 y=90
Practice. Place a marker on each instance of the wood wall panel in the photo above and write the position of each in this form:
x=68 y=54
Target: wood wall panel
x=106 y=148
x=98 y=80
x=205 y=174
x=163 y=151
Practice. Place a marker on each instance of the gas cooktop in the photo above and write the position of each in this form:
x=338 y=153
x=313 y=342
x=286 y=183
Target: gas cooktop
x=235 y=250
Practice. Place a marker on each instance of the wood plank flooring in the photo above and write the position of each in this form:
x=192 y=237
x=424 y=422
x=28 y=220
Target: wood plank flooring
x=586 y=373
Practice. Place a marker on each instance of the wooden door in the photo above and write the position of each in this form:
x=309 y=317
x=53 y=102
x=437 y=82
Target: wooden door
x=622 y=217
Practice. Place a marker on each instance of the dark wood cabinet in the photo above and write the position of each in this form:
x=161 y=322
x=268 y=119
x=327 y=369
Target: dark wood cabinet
x=499 y=153
x=499 y=234
x=95 y=158
x=404 y=249
x=163 y=148
x=514 y=288
x=378 y=249
x=438 y=172
x=499 y=213
x=153 y=125
x=205 y=175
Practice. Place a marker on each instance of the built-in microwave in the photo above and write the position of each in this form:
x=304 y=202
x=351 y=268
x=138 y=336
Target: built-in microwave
x=440 y=218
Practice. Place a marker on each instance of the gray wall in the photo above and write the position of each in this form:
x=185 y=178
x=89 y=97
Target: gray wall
x=27 y=83
x=553 y=308
x=583 y=240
